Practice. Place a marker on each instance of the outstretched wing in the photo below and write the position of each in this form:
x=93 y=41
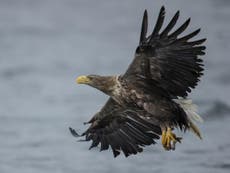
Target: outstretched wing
x=166 y=60
x=120 y=128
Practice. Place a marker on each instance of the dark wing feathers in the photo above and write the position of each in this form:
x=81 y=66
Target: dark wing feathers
x=170 y=61
x=159 y=23
x=170 y=25
x=144 y=27
x=123 y=130
x=181 y=29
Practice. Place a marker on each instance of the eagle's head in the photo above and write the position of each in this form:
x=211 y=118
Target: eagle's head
x=106 y=84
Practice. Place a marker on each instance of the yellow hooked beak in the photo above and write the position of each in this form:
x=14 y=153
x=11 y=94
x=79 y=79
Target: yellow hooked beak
x=82 y=80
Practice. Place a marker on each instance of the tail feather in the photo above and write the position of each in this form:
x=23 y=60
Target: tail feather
x=190 y=109
x=195 y=129
x=195 y=117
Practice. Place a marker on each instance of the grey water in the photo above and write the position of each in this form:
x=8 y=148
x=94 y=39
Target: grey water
x=46 y=44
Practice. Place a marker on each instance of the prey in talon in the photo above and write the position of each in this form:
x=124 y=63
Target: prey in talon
x=150 y=99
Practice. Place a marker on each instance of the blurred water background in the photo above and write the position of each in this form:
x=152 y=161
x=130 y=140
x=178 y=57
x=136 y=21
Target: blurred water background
x=46 y=44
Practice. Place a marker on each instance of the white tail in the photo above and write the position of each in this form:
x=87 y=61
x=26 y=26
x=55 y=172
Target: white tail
x=190 y=109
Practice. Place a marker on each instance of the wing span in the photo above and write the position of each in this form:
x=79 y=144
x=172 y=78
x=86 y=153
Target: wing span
x=120 y=128
x=166 y=59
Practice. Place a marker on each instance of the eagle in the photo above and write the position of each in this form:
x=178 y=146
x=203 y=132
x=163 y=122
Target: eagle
x=149 y=101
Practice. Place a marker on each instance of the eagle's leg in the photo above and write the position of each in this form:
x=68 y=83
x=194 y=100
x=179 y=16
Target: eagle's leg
x=169 y=139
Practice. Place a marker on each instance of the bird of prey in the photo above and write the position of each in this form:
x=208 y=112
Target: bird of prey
x=150 y=99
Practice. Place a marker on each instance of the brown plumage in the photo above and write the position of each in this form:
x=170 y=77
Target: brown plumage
x=146 y=102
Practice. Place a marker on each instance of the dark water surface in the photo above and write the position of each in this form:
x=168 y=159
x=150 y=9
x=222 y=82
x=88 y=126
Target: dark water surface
x=46 y=44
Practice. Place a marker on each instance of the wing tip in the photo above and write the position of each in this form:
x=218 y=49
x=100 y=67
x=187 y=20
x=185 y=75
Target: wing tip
x=162 y=11
x=198 y=30
x=178 y=13
x=145 y=16
x=144 y=27
x=204 y=40
x=162 y=8
x=73 y=132
x=187 y=22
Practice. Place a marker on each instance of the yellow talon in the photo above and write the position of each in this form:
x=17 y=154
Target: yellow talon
x=169 y=139
x=163 y=139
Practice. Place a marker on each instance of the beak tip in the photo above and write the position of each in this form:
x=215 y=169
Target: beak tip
x=82 y=80
x=78 y=80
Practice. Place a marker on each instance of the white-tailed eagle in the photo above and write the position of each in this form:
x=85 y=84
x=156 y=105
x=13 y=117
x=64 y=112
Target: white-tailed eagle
x=149 y=99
